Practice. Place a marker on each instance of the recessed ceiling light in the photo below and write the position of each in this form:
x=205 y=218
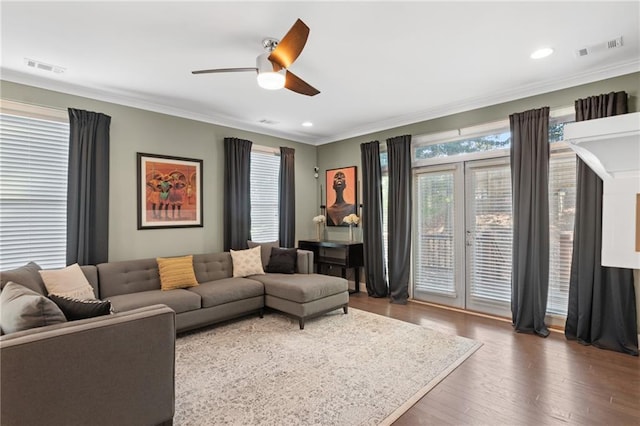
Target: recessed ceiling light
x=542 y=53
x=307 y=124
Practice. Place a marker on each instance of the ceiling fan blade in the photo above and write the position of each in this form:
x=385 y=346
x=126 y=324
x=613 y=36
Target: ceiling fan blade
x=291 y=45
x=296 y=84
x=218 y=70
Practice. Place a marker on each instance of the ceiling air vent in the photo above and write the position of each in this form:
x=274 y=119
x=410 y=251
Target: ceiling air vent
x=42 y=66
x=599 y=47
x=269 y=122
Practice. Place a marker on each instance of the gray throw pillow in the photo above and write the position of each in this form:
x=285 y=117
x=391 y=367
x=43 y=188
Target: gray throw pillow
x=26 y=275
x=265 y=250
x=22 y=308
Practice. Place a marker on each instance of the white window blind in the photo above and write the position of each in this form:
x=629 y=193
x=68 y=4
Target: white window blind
x=491 y=233
x=562 y=205
x=33 y=191
x=435 y=247
x=265 y=171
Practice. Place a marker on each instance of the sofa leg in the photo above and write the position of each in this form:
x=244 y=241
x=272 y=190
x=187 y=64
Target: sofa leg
x=301 y=322
x=345 y=308
x=261 y=313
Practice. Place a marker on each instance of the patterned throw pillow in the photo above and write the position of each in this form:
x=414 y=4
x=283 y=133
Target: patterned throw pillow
x=247 y=262
x=74 y=309
x=176 y=272
x=69 y=282
x=22 y=309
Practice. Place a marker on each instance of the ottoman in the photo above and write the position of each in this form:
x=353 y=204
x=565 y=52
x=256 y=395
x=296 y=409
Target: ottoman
x=304 y=295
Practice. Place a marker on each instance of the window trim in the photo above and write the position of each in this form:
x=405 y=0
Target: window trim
x=33 y=111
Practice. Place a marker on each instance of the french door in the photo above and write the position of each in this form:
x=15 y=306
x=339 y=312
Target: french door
x=464 y=234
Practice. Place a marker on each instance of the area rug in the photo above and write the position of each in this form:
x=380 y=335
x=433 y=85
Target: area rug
x=354 y=369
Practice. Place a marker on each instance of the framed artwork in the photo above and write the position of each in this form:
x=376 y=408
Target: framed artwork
x=169 y=192
x=342 y=194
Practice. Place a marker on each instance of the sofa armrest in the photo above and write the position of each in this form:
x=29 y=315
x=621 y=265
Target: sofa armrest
x=305 y=262
x=116 y=369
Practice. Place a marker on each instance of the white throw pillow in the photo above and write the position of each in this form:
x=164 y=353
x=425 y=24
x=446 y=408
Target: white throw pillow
x=247 y=262
x=69 y=282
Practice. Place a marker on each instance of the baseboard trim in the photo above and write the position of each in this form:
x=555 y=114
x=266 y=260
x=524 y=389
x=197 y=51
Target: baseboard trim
x=553 y=328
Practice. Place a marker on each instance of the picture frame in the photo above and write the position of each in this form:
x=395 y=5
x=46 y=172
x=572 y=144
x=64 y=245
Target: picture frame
x=169 y=192
x=341 y=195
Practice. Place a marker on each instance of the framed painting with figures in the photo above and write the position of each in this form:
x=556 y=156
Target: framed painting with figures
x=169 y=192
x=342 y=194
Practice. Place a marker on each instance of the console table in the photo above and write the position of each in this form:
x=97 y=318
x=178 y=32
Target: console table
x=347 y=254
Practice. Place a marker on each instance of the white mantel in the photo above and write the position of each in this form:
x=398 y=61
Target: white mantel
x=611 y=148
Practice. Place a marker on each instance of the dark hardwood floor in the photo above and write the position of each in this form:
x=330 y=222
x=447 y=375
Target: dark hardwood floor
x=519 y=379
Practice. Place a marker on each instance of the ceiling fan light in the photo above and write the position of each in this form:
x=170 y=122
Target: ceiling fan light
x=271 y=80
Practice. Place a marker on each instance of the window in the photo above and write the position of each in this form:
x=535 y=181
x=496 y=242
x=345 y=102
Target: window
x=480 y=140
x=477 y=274
x=465 y=146
x=562 y=207
x=265 y=172
x=384 y=171
x=34 y=146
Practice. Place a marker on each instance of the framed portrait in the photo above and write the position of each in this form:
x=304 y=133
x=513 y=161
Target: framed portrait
x=169 y=192
x=342 y=194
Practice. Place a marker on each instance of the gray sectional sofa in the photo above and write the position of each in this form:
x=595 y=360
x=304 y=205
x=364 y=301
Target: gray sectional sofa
x=77 y=372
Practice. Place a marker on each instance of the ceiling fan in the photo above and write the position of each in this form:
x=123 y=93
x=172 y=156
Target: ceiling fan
x=272 y=66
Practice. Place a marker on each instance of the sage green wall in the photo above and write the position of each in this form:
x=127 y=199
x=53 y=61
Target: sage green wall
x=134 y=130
x=347 y=152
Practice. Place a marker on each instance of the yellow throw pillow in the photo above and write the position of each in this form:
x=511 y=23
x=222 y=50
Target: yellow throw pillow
x=176 y=272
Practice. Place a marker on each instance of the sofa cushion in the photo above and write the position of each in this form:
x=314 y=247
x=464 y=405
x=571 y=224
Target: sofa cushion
x=91 y=273
x=26 y=275
x=213 y=266
x=246 y=262
x=128 y=276
x=302 y=288
x=179 y=300
x=22 y=309
x=176 y=272
x=76 y=309
x=69 y=282
x=265 y=250
x=227 y=290
x=282 y=261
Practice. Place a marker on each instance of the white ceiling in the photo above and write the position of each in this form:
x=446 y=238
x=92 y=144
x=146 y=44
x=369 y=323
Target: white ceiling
x=377 y=64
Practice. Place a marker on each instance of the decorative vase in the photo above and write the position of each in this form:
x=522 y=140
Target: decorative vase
x=350 y=232
x=319 y=231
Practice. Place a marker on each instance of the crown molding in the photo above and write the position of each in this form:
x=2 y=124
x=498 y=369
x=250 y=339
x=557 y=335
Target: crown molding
x=482 y=102
x=368 y=128
x=140 y=103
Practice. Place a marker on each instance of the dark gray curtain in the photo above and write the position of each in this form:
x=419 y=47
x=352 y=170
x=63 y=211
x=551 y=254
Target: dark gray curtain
x=602 y=310
x=88 y=188
x=399 y=152
x=374 y=266
x=287 y=198
x=530 y=191
x=237 y=193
